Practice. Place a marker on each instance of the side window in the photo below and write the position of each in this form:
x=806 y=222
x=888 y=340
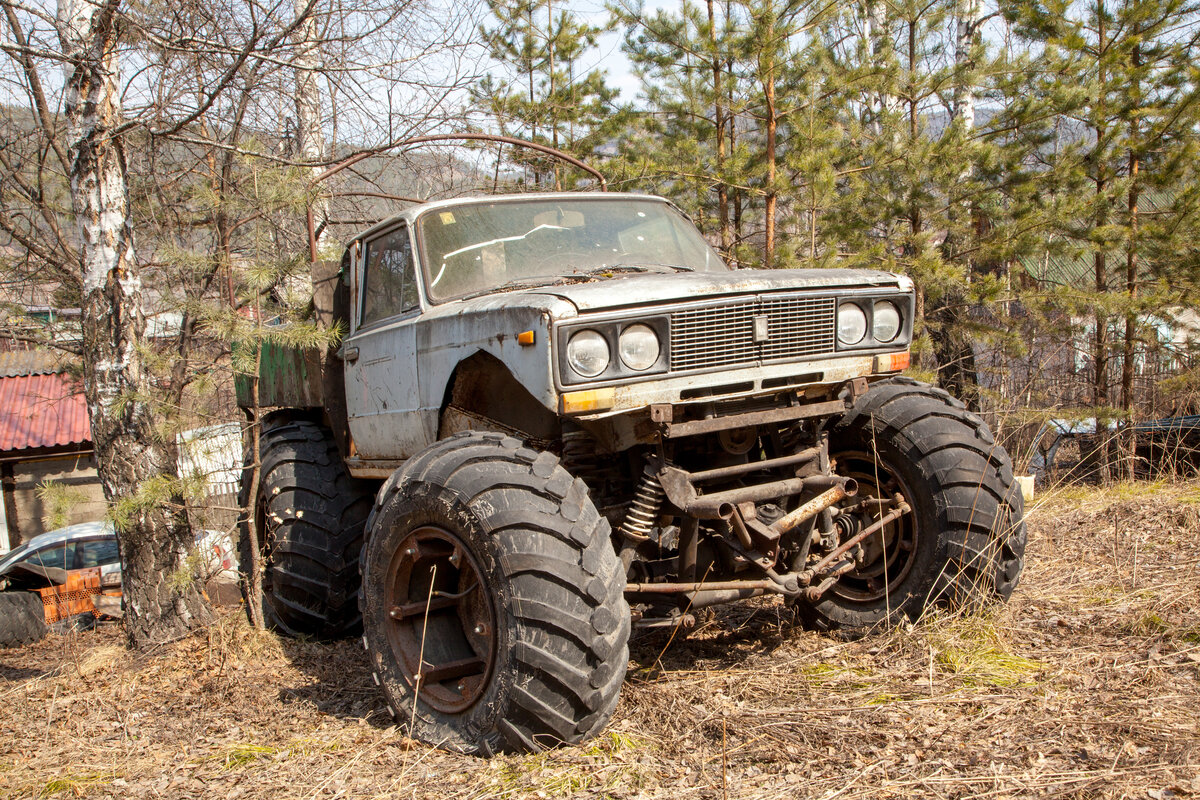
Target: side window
x=389 y=278
x=96 y=553
x=60 y=556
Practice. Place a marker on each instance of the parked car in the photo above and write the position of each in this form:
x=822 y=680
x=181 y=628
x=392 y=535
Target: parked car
x=79 y=546
x=70 y=573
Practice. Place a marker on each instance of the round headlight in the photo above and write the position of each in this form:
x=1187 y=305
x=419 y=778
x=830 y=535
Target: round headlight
x=639 y=347
x=852 y=323
x=587 y=353
x=887 y=321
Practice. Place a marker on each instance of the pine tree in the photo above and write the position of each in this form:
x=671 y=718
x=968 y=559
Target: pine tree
x=790 y=88
x=894 y=209
x=547 y=98
x=687 y=148
x=1137 y=110
x=738 y=128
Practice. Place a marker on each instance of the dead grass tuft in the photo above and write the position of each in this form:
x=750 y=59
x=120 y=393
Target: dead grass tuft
x=1085 y=685
x=973 y=649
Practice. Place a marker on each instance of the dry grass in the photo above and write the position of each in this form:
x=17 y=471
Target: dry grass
x=1086 y=685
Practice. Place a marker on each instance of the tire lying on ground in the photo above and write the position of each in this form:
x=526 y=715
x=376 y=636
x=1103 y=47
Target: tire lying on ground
x=494 y=613
x=964 y=541
x=22 y=618
x=309 y=514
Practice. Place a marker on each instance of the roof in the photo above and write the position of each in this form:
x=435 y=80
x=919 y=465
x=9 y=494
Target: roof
x=42 y=411
x=29 y=362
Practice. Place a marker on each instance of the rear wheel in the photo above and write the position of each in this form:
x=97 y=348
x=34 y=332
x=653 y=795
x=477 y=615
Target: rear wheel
x=963 y=541
x=309 y=516
x=493 y=606
x=22 y=618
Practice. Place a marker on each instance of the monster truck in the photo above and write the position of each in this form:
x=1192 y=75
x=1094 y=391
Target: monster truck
x=556 y=416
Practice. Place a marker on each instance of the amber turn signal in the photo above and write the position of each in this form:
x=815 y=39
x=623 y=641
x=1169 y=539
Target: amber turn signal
x=525 y=338
x=588 y=400
x=893 y=362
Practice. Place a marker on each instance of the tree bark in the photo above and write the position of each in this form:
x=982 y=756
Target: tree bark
x=551 y=95
x=952 y=343
x=772 y=195
x=163 y=600
x=310 y=139
x=875 y=27
x=1100 y=341
x=731 y=123
x=967 y=28
x=1131 y=289
x=719 y=122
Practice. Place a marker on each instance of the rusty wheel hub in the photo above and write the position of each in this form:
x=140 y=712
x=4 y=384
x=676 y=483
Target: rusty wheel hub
x=887 y=556
x=442 y=626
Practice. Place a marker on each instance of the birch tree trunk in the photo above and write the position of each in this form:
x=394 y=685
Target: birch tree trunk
x=310 y=140
x=966 y=29
x=878 y=38
x=163 y=601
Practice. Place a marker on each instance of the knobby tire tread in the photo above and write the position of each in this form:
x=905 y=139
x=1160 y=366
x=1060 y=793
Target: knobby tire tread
x=565 y=588
x=976 y=503
x=314 y=518
x=22 y=618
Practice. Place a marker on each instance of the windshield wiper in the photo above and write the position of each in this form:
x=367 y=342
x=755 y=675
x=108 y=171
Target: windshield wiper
x=641 y=266
x=517 y=284
x=614 y=268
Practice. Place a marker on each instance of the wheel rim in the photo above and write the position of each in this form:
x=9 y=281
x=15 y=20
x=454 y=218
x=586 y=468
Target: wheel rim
x=440 y=621
x=889 y=554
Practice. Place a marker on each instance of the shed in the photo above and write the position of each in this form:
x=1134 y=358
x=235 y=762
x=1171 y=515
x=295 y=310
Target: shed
x=44 y=437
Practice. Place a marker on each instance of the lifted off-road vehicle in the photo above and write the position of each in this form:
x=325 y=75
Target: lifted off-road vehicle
x=557 y=416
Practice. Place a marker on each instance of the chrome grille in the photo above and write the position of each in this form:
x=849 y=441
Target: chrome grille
x=723 y=336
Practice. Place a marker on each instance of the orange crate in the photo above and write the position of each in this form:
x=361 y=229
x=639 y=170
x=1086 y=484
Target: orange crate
x=75 y=597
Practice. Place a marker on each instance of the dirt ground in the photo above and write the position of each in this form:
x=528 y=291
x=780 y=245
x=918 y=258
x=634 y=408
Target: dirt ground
x=1086 y=685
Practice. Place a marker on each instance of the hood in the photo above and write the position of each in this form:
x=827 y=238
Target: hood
x=655 y=288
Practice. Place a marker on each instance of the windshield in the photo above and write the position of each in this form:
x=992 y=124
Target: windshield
x=14 y=556
x=473 y=248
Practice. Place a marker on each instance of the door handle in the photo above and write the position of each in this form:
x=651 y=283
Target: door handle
x=348 y=353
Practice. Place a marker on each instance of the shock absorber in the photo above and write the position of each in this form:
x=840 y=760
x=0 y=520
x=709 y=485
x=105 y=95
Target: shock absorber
x=643 y=511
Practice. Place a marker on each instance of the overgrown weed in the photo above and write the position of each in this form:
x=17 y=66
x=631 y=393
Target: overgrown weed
x=972 y=648
x=240 y=755
x=76 y=785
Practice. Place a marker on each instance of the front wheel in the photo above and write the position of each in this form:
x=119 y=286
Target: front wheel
x=493 y=603
x=963 y=541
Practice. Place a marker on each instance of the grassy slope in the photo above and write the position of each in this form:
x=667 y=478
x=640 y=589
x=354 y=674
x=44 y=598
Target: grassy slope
x=1087 y=684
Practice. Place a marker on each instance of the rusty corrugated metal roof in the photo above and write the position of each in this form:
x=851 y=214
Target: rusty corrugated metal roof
x=29 y=362
x=42 y=411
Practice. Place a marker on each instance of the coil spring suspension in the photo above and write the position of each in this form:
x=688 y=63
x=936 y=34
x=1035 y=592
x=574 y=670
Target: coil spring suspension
x=579 y=453
x=643 y=511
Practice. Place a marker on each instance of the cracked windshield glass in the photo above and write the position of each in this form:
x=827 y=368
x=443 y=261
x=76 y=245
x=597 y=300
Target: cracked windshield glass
x=476 y=248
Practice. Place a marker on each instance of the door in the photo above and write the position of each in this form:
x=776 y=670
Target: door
x=380 y=354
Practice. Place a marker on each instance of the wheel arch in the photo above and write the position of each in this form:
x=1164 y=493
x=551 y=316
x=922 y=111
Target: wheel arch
x=483 y=394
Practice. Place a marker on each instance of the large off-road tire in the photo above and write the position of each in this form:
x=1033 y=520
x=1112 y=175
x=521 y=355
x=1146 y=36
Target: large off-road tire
x=964 y=541
x=489 y=573
x=309 y=517
x=22 y=618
